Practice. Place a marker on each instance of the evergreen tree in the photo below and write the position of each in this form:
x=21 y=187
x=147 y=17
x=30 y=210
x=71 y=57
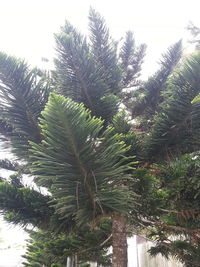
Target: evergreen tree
x=52 y=249
x=76 y=144
x=172 y=149
x=176 y=127
x=194 y=31
x=145 y=101
x=92 y=155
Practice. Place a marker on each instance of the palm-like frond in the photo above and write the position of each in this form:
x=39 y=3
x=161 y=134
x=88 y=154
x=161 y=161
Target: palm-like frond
x=81 y=76
x=185 y=251
x=131 y=58
x=9 y=165
x=48 y=248
x=22 y=205
x=177 y=233
x=177 y=126
x=23 y=96
x=104 y=51
x=78 y=75
x=83 y=172
x=148 y=104
x=122 y=126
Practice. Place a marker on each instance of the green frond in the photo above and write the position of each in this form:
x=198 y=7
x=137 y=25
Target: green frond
x=78 y=74
x=196 y=99
x=50 y=249
x=104 y=50
x=23 y=97
x=148 y=104
x=83 y=171
x=108 y=106
x=76 y=70
x=22 y=205
x=177 y=126
x=16 y=180
x=131 y=58
x=9 y=165
x=120 y=123
x=184 y=251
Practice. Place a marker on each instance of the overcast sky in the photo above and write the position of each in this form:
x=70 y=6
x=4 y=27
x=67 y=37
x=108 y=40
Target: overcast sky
x=27 y=26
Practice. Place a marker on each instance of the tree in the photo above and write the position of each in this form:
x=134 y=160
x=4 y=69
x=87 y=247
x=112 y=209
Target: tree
x=145 y=101
x=71 y=136
x=92 y=155
x=179 y=216
x=194 y=31
x=94 y=166
x=172 y=149
x=49 y=248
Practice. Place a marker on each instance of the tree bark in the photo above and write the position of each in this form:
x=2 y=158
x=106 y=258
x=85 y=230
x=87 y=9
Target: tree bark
x=69 y=262
x=119 y=243
x=75 y=260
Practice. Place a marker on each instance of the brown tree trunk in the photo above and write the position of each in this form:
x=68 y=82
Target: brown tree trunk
x=119 y=243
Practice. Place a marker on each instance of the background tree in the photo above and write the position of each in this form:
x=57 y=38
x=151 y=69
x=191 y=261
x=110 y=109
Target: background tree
x=172 y=147
x=194 y=31
x=52 y=249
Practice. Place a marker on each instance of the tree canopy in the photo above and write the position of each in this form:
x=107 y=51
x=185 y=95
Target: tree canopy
x=110 y=150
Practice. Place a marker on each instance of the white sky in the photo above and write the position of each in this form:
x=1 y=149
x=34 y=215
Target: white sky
x=27 y=26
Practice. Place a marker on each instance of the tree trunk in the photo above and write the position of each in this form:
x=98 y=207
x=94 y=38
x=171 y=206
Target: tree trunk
x=69 y=262
x=119 y=243
x=75 y=260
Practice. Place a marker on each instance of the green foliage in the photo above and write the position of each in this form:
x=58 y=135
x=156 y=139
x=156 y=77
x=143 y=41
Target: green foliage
x=23 y=95
x=196 y=99
x=183 y=189
x=176 y=128
x=182 y=250
x=131 y=58
x=120 y=123
x=104 y=50
x=84 y=165
x=52 y=250
x=151 y=91
x=9 y=165
x=92 y=72
x=146 y=186
x=22 y=205
x=78 y=166
x=122 y=126
x=177 y=231
x=81 y=148
x=85 y=84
